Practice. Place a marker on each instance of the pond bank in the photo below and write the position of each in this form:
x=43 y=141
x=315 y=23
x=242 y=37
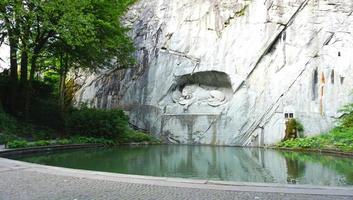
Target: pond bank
x=6 y=151
x=30 y=150
x=324 y=151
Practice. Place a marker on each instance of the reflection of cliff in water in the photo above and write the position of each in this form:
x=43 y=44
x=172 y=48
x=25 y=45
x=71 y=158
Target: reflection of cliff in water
x=205 y=162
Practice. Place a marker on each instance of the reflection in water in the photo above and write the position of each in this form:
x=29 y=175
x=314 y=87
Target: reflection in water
x=295 y=169
x=206 y=162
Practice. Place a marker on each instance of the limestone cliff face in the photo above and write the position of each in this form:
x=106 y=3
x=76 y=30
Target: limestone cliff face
x=229 y=72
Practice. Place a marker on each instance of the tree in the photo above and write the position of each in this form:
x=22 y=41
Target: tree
x=73 y=34
x=90 y=37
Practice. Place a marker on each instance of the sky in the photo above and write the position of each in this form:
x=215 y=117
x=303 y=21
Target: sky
x=4 y=57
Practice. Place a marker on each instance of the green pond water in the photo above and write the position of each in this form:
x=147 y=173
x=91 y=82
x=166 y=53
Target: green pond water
x=208 y=162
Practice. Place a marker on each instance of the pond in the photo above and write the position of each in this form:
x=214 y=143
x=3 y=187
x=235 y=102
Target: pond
x=208 y=162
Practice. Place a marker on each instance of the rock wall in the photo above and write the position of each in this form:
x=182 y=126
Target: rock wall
x=228 y=72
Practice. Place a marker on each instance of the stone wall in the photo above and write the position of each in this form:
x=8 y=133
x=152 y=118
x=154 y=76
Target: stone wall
x=226 y=72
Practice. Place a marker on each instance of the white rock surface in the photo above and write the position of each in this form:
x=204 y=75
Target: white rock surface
x=267 y=57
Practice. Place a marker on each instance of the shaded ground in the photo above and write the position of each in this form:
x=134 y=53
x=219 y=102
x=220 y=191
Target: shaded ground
x=21 y=181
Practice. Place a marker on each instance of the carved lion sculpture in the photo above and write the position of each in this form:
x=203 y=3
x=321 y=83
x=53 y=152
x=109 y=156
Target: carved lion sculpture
x=192 y=94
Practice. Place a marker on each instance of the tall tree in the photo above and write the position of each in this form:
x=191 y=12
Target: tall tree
x=84 y=34
x=9 y=18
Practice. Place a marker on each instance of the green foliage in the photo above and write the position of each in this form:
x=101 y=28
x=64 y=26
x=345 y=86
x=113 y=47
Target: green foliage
x=5 y=137
x=59 y=36
x=346 y=121
x=299 y=126
x=8 y=124
x=46 y=112
x=313 y=142
x=135 y=136
x=74 y=140
x=43 y=110
x=12 y=129
x=339 y=138
x=242 y=11
x=89 y=124
x=42 y=143
x=17 y=144
x=96 y=122
x=64 y=142
x=92 y=27
x=92 y=140
x=293 y=128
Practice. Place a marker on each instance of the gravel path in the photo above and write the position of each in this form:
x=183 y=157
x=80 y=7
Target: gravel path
x=22 y=181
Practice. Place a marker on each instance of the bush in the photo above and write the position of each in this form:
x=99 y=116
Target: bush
x=135 y=136
x=8 y=124
x=5 y=138
x=74 y=140
x=17 y=144
x=92 y=140
x=45 y=111
x=293 y=129
x=96 y=122
x=64 y=142
x=346 y=121
x=42 y=143
x=339 y=138
x=12 y=128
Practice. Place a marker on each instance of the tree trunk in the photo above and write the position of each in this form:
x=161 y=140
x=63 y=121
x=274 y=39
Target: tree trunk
x=29 y=90
x=24 y=79
x=13 y=73
x=24 y=67
x=62 y=91
x=13 y=60
x=33 y=67
x=62 y=86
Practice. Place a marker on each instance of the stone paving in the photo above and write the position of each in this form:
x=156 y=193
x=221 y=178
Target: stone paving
x=22 y=181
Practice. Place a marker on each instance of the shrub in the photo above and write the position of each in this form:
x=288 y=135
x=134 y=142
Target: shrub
x=42 y=143
x=96 y=122
x=135 y=136
x=346 y=121
x=17 y=144
x=8 y=124
x=91 y=140
x=5 y=138
x=74 y=140
x=63 y=141
x=45 y=111
x=293 y=129
x=337 y=139
x=12 y=128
